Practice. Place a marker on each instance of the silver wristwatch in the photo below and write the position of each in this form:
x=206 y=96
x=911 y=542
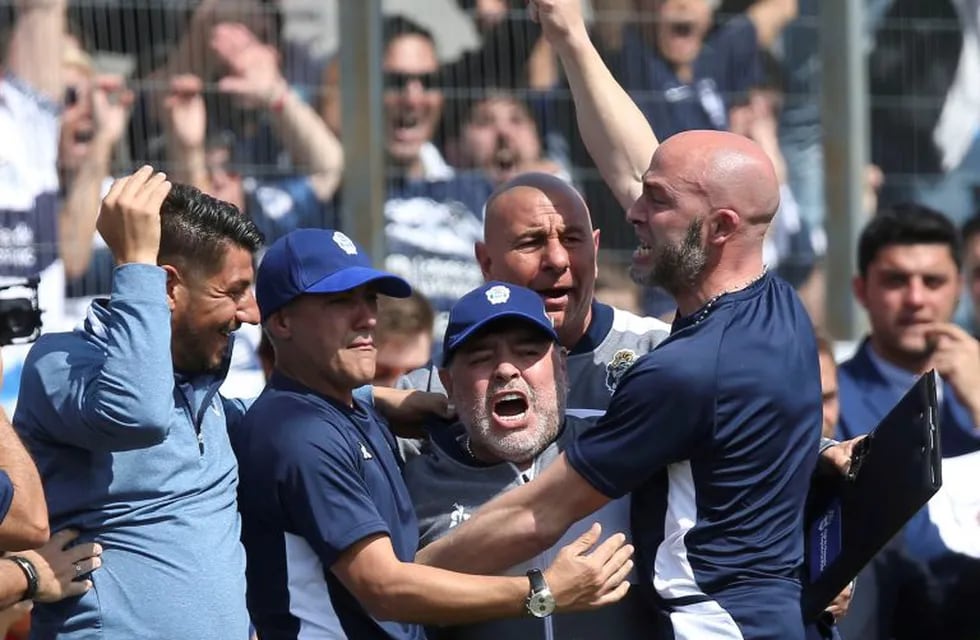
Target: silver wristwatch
x=540 y=603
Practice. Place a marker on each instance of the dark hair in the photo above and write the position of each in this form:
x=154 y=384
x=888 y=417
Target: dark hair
x=906 y=224
x=404 y=316
x=195 y=229
x=970 y=228
x=396 y=26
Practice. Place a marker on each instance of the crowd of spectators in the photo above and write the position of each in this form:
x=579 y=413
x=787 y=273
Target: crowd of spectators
x=212 y=93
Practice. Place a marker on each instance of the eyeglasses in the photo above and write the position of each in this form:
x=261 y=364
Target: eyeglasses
x=71 y=96
x=394 y=80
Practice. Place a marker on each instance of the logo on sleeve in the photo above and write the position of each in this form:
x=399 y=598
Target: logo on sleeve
x=620 y=363
x=365 y=453
x=458 y=515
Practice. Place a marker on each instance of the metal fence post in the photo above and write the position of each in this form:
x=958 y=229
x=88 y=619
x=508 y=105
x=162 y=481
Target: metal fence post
x=363 y=128
x=844 y=113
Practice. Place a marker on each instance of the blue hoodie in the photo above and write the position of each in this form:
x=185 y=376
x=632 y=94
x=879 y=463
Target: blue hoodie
x=138 y=459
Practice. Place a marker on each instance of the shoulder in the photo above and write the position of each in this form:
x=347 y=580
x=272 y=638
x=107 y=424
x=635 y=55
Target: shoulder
x=61 y=353
x=628 y=322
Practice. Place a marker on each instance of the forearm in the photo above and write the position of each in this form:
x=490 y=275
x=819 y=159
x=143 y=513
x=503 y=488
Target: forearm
x=615 y=132
x=426 y=595
x=80 y=210
x=500 y=535
x=770 y=17
x=26 y=523
x=34 y=52
x=187 y=165
x=310 y=143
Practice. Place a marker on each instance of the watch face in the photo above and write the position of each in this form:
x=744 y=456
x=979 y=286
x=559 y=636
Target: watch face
x=541 y=604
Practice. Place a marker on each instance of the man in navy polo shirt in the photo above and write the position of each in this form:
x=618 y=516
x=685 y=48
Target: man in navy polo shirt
x=327 y=522
x=715 y=431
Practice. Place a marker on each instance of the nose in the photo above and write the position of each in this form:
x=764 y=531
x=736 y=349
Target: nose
x=634 y=215
x=555 y=256
x=248 y=309
x=915 y=293
x=505 y=371
x=366 y=313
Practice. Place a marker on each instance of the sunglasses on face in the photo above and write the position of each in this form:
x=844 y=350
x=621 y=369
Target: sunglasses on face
x=396 y=81
x=71 y=96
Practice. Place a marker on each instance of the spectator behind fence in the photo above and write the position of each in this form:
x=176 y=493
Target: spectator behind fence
x=94 y=120
x=403 y=337
x=433 y=215
x=929 y=146
x=500 y=137
x=909 y=278
x=327 y=521
x=971 y=269
x=733 y=573
x=127 y=427
x=506 y=376
x=253 y=78
x=31 y=89
x=538 y=234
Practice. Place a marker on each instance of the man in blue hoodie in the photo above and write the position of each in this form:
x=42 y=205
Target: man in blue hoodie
x=129 y=433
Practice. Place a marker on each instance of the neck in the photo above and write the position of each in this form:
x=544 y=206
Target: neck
x=342 y=393
x=716 y=285
x=480 y=453
x=913 y=363
x=570 y=334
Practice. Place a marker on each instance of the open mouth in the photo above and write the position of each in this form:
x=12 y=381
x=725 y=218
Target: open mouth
x=504 y=159
x=642 y=251
x=510 y=407
x=681 y=28
x=83 y=136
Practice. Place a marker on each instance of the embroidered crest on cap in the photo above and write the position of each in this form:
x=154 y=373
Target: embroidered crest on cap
x=344 y=243
x=498 y=294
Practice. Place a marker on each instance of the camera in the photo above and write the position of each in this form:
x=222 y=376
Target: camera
x=20 y=317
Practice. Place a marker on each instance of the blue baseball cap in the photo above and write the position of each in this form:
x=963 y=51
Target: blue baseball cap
x=489 y=303
x=317 y=261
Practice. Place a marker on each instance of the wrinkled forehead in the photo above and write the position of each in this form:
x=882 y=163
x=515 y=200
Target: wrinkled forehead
x=524 y=208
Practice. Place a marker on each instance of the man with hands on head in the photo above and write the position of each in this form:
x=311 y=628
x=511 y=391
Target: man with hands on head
x=128 y=430
x=328 y=524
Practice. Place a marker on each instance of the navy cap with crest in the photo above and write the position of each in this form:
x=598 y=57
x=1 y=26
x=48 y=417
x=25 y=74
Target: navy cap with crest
x=317 y=261
x=489 y=303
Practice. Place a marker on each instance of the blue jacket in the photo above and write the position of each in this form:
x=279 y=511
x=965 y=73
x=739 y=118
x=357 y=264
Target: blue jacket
x=866 y=397
x=138 y=459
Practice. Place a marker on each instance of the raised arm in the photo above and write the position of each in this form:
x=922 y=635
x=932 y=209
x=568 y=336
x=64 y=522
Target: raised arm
x=769 y=18
x=254 y=78
x=34 y=52
x=614 y=130
x=518 y=524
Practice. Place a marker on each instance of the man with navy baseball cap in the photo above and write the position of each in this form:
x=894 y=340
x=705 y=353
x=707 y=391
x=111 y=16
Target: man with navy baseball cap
x=328 y=526
x=490 y=303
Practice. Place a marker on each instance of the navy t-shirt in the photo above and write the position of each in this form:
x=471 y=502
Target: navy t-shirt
x=316 y=477
x=715 y=432
x=727 y=66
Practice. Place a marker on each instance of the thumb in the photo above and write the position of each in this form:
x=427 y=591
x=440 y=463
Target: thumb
x=585 y=541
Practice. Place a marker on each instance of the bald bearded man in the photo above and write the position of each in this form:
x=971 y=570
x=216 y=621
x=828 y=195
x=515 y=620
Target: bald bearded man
x=538 y=234
x=714 y=432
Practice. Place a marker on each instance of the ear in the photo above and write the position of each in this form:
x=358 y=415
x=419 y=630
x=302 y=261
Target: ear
x=859 y=287
x=482 y=257
x=176 y=289
x=447 y=381
x=278 y=325
x=722 y=225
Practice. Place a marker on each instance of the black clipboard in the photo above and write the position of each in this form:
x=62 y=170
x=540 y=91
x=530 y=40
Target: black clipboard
x=895 y=470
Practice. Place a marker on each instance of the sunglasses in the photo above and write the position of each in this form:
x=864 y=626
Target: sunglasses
x=397 y=81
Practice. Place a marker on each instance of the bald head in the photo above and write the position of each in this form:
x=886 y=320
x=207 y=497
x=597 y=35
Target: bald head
x=731 y=171
x=516 y=192
x=538 y=234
